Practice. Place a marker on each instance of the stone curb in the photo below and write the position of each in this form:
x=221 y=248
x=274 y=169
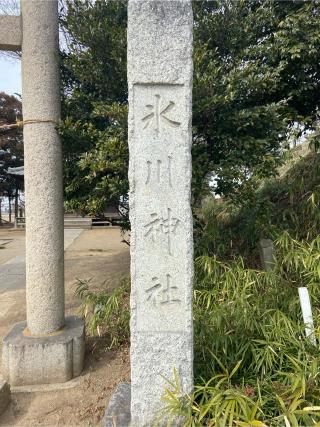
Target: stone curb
x=118 y=411
x=4 y=395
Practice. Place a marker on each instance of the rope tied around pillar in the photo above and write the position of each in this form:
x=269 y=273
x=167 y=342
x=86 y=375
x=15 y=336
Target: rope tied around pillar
x=22 y=123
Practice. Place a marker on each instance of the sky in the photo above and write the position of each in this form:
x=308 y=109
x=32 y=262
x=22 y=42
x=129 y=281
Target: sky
x=10 y=75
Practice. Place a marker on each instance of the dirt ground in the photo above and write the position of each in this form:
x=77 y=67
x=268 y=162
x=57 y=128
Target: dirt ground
x=12 y=243
x=100 y=255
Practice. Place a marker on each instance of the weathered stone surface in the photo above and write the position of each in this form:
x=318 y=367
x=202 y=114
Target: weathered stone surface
x=266 y=250
x=4 y=395
x=43 y=167
x=10 y=33
x=118 y=411
x=160 y=106
x=43 y=360
x=48 y=348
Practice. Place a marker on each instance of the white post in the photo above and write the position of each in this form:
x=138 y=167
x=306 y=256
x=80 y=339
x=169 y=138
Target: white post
x=307 y=314
x=160 y=110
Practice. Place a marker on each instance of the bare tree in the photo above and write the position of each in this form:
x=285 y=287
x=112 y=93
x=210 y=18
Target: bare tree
x=10 y=7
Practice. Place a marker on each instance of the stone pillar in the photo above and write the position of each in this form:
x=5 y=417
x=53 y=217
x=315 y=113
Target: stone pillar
x=47 y=348
x=160 y=109
x=267 y=256
x=43 y=167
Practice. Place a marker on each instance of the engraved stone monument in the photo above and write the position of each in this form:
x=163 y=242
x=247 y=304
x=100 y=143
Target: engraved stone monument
x=160 y=109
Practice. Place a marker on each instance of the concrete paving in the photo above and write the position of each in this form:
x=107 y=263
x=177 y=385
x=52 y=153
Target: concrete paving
x=13 y=271
x=96 y=254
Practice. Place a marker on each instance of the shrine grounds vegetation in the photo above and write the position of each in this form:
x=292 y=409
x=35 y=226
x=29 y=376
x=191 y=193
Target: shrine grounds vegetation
x=253 y=363
x=107 y=313
x=11 y=148
x=256 y=77
x=256 y=86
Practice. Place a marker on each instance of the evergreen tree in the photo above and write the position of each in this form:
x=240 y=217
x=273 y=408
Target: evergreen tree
x=256 y=74
x=11 y=146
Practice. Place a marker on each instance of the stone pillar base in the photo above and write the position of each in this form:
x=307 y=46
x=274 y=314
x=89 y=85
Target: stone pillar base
x=53 y=358
x=4 y=395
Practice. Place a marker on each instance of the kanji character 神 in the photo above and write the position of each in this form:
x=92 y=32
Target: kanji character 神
x=167 y=226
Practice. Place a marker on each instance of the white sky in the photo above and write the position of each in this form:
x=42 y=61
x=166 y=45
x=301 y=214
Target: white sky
x=10 y=75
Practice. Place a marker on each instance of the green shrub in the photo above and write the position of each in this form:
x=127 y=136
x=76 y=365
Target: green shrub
x=106 y=313
x=289 y=203
x=253 y=363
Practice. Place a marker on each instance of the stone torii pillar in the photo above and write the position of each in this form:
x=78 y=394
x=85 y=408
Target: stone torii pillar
x=49 y=347
x=160 y=109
